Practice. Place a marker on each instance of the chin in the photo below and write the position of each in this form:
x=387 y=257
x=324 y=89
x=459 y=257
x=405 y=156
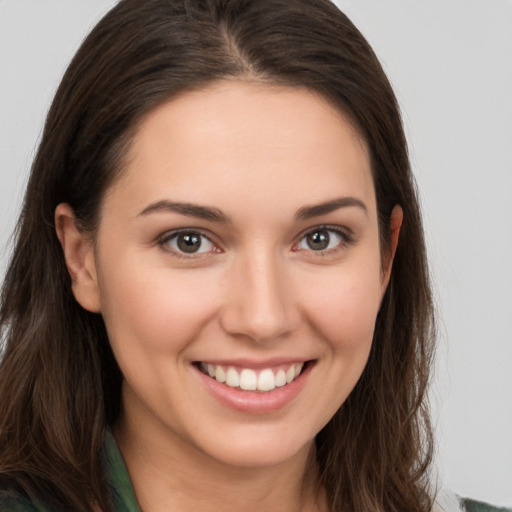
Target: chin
x=258 y=450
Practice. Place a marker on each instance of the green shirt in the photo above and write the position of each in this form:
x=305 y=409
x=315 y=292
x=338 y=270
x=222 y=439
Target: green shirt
x=478 y=506
x=124 y=498
x=118 y=478
x=119 y=482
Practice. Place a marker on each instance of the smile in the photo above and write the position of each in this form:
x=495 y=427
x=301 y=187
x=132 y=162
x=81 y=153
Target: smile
x=247 y=379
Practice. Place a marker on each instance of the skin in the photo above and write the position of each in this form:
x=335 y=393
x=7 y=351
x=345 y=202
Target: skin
x=257 y=291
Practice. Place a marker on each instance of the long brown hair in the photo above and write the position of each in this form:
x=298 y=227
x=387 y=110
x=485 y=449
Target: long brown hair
x=59 y=383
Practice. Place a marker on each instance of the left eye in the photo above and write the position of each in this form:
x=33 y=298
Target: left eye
x=189 y=242
x=321 y=240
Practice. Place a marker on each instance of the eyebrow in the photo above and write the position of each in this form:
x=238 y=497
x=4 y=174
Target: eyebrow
x=308 y=212
x=216 y=215
x=188 y=209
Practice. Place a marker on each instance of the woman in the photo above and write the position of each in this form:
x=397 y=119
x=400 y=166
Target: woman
x=219 y=286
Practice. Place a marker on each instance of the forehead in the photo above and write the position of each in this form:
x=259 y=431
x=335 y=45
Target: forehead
x=276 y=142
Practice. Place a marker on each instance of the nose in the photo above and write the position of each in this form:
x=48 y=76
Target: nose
x=260 y=301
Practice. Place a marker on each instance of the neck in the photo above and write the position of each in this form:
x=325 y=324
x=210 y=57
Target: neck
x=168 y=474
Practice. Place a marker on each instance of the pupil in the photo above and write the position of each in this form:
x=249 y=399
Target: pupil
x=318 y=240
x=189 y=242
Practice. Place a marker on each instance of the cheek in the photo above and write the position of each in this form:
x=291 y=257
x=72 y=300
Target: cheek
x=154 y=309
x=343 y=306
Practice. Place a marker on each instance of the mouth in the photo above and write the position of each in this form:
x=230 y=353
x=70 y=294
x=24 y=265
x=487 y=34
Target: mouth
x=261 y=380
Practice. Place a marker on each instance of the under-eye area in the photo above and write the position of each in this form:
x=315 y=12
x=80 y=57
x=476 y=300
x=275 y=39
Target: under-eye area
x=250 y=379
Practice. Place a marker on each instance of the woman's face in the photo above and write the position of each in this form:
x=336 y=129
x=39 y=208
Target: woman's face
x=240 y=249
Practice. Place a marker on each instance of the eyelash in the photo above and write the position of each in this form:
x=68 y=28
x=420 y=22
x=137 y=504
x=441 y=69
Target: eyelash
x=344 y=235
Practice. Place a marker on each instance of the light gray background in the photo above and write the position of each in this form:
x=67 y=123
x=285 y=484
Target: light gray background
x=450 y=62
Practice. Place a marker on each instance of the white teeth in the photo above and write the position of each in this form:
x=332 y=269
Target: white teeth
x=290 y=374
x=232 y=378
x=249 y=380
x=280 y=378
x=266 y=380
x=220 y=374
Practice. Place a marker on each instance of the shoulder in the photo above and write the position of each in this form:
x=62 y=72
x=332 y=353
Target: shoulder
x=447 y=501
x=13 y=497
x=11 y=501
x=479 y=506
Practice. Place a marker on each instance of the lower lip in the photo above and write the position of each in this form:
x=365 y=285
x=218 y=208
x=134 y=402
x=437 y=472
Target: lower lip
x=253 y=401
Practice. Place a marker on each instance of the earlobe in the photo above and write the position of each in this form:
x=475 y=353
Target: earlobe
x=80 y=259
x=395 y=223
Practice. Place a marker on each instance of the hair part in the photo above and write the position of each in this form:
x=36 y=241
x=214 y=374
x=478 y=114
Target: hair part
x=58 y=371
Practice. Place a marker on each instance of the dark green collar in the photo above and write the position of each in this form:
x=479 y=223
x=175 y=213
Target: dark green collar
x=479 y=506
x=123 y=495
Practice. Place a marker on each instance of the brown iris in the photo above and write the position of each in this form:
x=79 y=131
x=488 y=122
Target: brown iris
x=188 y=242
x=318 y=240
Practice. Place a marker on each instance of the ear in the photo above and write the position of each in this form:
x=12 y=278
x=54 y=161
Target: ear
x=80 y=260
x=395 y=223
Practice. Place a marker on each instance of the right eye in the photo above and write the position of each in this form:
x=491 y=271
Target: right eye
x=324 y=240
x=187 y=243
